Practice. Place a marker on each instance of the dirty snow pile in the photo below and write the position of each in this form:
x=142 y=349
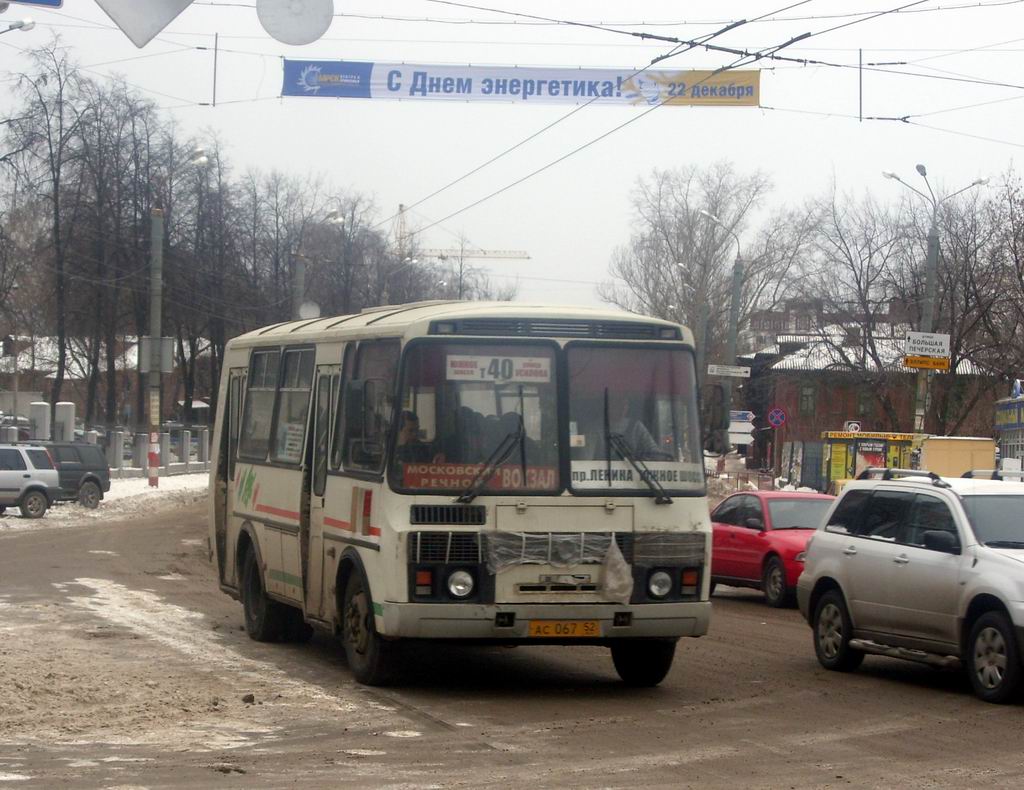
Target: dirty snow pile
x=129 y=498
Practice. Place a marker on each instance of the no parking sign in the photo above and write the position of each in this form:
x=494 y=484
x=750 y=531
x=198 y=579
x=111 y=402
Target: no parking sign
x=777 y=417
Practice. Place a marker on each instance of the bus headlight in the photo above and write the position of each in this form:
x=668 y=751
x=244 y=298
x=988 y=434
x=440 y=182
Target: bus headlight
x=460 y=584
x=659 y=584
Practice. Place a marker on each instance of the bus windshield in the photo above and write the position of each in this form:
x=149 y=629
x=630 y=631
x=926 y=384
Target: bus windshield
x=469 y=405
x=638 y=399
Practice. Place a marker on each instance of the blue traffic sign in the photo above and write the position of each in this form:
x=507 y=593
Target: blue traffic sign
x=44 y=3
x=741 y=416
x=777 y=417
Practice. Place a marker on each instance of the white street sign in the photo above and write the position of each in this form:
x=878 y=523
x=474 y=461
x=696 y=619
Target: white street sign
x=926 y=344
x=735 y=371
x=740 y=439
x=141 y=20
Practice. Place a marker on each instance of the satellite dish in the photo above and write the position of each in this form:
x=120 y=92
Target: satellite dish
x=309 y=310
x=295 y=22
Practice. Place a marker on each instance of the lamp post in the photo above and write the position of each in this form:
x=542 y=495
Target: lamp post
x=930 y=277
x=156 y=351
x=24 y=25
x=734 y=318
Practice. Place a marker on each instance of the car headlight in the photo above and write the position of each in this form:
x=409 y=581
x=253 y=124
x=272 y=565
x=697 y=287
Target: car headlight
x=659 y=584
x=801 y=557
x=460 y=584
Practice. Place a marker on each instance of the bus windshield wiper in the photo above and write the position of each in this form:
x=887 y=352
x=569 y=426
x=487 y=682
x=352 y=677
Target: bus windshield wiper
x=497 y=457
x=618 y=441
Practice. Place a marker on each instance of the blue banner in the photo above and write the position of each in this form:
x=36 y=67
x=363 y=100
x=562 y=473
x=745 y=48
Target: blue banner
x=345 y=79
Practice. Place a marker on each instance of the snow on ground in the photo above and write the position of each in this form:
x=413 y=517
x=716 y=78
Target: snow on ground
x=127 y=499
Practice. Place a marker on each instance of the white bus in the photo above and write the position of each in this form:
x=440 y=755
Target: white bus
x=464 y=470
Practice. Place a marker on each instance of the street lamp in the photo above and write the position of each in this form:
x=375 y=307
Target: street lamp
x=153 y=353
x=24 y=25
x=930 y=276
x=734 y=315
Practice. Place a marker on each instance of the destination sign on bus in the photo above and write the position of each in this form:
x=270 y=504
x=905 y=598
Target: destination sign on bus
x=508 y=477
x=622 y=474
x=503 y=370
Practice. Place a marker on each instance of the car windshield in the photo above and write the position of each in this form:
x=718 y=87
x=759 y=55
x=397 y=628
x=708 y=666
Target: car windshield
x=639 y=399
x=792 y=513
x=460 y=402
x=996 y=518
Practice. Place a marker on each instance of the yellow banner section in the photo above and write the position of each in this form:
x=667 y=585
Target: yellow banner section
x=927 y=363
x=702 y=88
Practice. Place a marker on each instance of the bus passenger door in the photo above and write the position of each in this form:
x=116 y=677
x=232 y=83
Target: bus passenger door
x=228 y=523
x=325 y=389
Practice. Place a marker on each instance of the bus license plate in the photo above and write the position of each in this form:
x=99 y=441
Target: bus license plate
x=565 y=628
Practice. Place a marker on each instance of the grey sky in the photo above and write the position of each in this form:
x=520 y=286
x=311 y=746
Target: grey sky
x=570 y=217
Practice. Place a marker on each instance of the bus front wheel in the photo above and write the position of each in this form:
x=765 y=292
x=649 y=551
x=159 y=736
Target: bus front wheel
x=370 y=657
x=265 y=620
x=641 y=662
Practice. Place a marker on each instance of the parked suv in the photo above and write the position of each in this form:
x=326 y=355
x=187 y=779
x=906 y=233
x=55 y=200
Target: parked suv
x=28 y=479
x=83 y=471
x=911 y=565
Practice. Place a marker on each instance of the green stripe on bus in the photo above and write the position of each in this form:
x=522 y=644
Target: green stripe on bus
x=378 y=609
x=286 y=578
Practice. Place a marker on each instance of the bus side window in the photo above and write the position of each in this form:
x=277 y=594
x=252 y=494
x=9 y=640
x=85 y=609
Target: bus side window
x=338 y=445
x=369 y=402
x=254 y=442
x=293 y=405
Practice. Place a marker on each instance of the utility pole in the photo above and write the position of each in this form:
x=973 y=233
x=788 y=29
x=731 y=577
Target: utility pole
x=931 y=277
x=298 y=284
x=734 y=325
x=154 y=378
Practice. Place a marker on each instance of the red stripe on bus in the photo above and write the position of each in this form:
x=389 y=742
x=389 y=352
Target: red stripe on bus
x=337 y=522
x=276 y=511
x=375 y=531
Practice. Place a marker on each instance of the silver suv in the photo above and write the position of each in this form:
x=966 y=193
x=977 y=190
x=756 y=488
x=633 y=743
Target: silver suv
x=914 y=566
x=28 y=479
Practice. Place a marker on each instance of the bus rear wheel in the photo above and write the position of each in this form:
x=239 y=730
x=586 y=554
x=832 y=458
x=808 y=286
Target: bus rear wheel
x=643 y=662
x=370 y=657
x=265 y=620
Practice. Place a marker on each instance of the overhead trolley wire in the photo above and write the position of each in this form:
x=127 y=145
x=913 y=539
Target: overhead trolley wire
x=745 y=58
x=674 y=51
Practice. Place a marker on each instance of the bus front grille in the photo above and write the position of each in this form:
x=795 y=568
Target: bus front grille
x=454 y=515
x=445 y=547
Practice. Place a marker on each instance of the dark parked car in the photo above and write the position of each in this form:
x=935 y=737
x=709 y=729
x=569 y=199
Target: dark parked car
x=83 y=470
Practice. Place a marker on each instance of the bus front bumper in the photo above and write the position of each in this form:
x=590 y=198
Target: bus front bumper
x=491 y=621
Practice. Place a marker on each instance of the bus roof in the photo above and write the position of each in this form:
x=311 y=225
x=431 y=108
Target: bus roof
x=487 y=319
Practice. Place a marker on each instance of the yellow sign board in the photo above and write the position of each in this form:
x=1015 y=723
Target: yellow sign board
x=927 y=363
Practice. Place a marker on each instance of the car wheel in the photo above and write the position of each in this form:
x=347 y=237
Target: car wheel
x=265 y=620
x=371 y=658
x=992 y=658
x=832 y=631
x=34 y=504
x=773 y=584
x=89 y=495
x=643 y=662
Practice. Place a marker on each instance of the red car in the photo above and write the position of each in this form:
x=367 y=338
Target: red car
x=760 y=538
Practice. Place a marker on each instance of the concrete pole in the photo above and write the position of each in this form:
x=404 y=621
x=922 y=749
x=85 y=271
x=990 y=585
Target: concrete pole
x=931 y=276
x=298 y=285
x=156 y=277
x=734 y=328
